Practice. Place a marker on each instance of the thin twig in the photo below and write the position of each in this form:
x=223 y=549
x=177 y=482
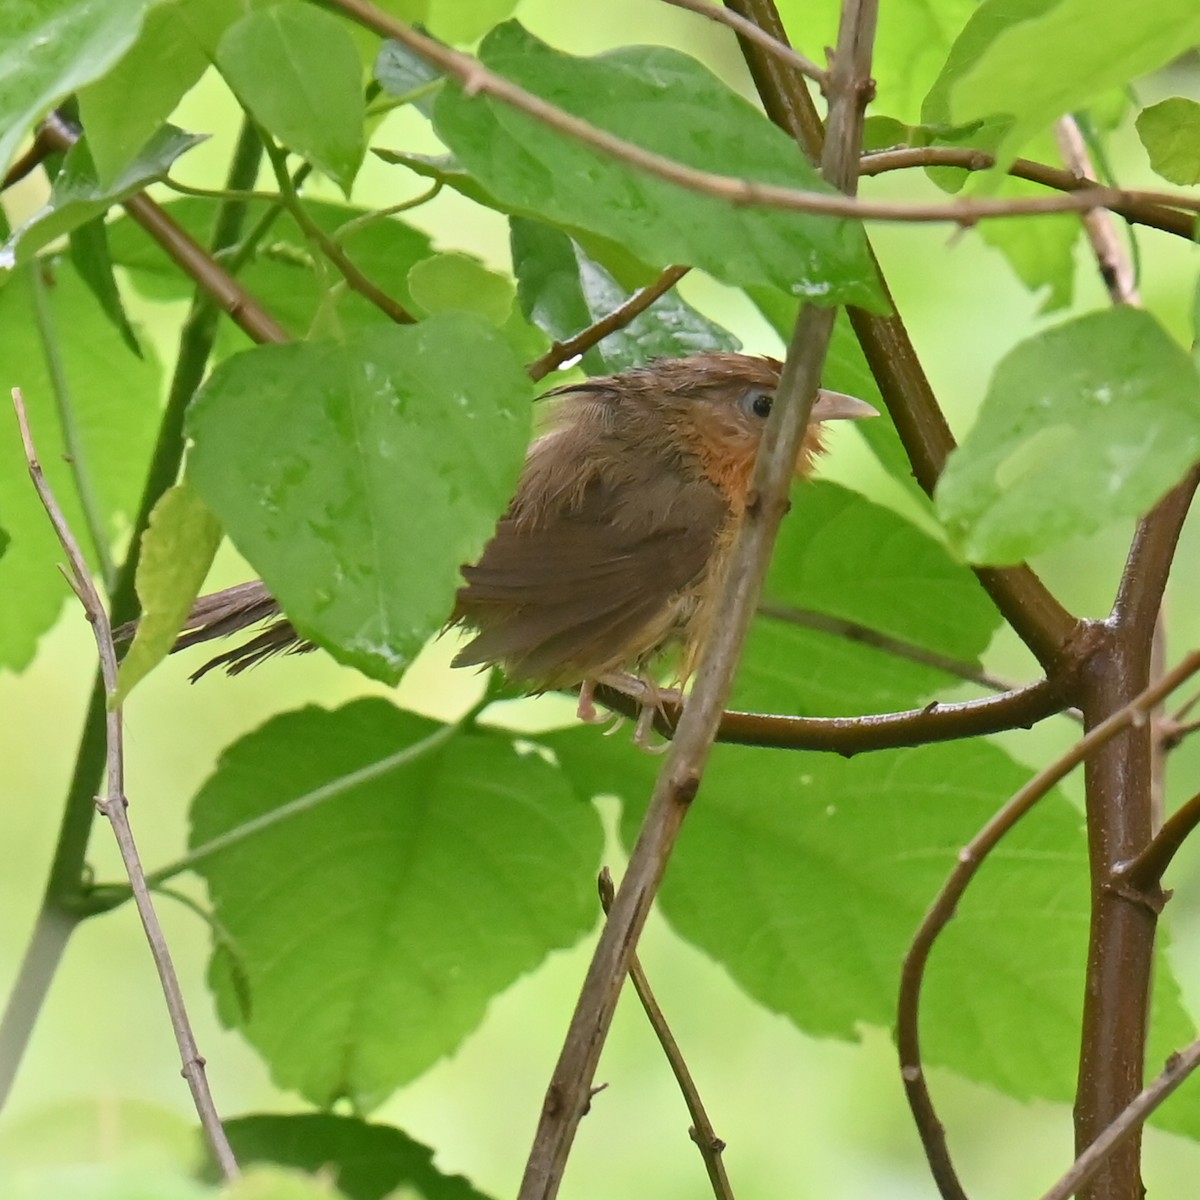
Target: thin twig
x=1116 y=267
x=478 y=80
x=27 y=163
x=752 y=33
x=702 y=1131
x=854 y=631
x=68 y=897
x=738 y=596
x=1137 y=212
x=187 y=254
x=351 y=227
x=970 y=859
x=1133 y=1117
x=354 y=278
x=1143 y=874
x=620 y=316
x=115 y=805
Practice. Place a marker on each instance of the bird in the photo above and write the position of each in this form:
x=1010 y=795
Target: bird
x=609 y=559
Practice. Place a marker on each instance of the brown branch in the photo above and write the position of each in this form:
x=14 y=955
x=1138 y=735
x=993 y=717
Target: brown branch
x=187 y=254
x=1129 y=1121
x=970 y=859
x=1119 y=806
x=620 y=316
x=478 y=80
x=752 y=33
x=1137 y=212
x=1036 y=616
x=114 y=806
x=740 y=588
x=33 y=158
x=702 y=1131
x=849 y=736
x=354 y=278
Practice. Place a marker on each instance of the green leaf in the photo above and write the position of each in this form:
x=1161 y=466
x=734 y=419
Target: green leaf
x=114 y=398
x=806 y=876
x=914 y=592
x=563 y=291
x=1019 y=65
x=446 y=169
x=401 y=72
x=90 y=257
x=297 y=70
x=53 y=47
x=459 y=283
x=358 y=477
x=376 y=927
x=1040 y=250
x=177 y=551
x=1082 y=424
x=1170 y=131
x=78 y=196
x=672 y=105
x=370 y=1162
x=124 y=108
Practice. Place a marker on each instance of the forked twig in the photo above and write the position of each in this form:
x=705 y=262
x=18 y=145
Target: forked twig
x=702 y=1131
x=620 y=316
x=114 y=807
x=752 y=33
x=970 y=859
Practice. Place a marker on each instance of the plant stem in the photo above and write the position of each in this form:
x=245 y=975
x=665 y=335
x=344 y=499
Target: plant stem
x=67 y=898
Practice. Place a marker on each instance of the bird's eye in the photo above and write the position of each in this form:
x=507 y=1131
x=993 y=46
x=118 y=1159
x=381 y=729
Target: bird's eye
x=757 y=403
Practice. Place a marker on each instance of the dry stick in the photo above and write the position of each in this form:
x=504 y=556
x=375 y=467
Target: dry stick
x=1138 y=212
x=478 y=80
x=702 y=1131
x=1116 y=268
x=752 y=33
x=68 y=897
x=740 y=589
x=620 y=316
x=114 y=807
x=187 y=254
x=970 y=859
x=1132 y=1118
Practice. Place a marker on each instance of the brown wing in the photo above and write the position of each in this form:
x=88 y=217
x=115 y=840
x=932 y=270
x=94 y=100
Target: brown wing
x=578 y=591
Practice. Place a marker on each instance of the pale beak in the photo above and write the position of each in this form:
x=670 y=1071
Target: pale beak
x=837 y=406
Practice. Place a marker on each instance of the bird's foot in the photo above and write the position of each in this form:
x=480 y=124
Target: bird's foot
x=650 y=699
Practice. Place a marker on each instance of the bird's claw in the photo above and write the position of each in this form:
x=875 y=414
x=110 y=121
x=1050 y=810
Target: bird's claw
x=650 y=699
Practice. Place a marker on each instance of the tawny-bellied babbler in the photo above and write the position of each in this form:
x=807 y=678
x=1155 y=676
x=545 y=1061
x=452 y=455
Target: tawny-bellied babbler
x=613 y=548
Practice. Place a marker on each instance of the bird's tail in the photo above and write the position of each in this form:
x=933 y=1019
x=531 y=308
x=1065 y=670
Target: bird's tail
x=228 y=612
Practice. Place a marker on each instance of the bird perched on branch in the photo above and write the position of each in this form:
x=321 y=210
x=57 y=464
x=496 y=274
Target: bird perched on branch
x=613 y=549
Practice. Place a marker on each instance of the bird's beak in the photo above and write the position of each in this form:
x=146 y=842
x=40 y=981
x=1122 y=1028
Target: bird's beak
x=837 y=406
